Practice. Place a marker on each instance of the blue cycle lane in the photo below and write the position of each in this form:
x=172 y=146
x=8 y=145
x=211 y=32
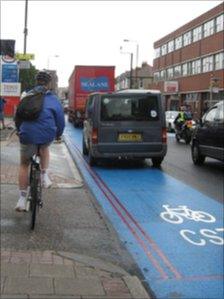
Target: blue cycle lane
x=174 y=232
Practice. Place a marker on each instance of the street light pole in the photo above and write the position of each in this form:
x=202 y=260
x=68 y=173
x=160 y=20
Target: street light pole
x=131 y=66
x=25 y=26
x=137 y=54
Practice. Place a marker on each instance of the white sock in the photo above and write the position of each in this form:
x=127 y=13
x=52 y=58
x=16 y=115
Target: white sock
x=23 y=193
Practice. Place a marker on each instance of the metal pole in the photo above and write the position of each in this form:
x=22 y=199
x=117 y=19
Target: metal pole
x=136 y=70
x=25 y=26
x=131 y=66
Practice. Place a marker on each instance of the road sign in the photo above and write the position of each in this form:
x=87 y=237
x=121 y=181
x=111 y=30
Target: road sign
x=10 y=73
x=26 y=56
x=24 y=64
x=10 y=89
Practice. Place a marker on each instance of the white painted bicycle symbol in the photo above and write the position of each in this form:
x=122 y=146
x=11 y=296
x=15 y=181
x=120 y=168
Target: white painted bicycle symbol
x=176 y=215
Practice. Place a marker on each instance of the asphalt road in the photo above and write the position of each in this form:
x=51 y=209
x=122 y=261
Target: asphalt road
x=207 y=178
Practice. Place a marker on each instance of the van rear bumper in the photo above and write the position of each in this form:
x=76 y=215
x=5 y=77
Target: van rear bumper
x=129 y=150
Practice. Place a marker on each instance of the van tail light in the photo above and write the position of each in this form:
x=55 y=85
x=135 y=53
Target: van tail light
x=164 y=135
x=95 y=135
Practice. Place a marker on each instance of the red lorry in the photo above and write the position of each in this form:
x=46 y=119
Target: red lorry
x=84 y=80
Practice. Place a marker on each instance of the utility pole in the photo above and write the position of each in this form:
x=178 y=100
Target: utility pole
x=25 y=26
x=131 y=67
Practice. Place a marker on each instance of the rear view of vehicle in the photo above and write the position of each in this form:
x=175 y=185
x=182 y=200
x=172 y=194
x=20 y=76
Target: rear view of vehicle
x=128 y=124
x=208 y=137
x=84 y=80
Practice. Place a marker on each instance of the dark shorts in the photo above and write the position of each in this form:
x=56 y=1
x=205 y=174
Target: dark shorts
x=1 y=115
x=28 y=150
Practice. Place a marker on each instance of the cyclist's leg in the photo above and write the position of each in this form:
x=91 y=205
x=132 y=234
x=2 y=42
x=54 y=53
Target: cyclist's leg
x=44 y=162
x=26 y=152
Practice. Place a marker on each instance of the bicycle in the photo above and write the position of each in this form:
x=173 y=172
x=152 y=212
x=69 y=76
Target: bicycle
x=176 y=215
x=35 y=193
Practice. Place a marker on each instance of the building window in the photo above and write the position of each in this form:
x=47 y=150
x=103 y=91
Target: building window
x=185 y=69
x=156 y=76
x=141 y=83
x=177 y=71
x=208 y=28
x=196 y=67
x=169 y=73
x=162 y=75
x=187 y=38
x=219 y=61
x=164 y=49
x=170 y=46
x=219 y=23
x=178 y=42
x=157 y=52
x=207 y=64
x=197 y=34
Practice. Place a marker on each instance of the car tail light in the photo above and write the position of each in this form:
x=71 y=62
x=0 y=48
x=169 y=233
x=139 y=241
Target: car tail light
x=94 y=135
x=189 y=123
x=164 y=135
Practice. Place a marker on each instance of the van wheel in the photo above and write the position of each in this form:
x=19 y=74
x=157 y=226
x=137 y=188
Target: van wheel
x=92 y=160
x=197 y=157
x=84 y=148
x=76 y=123
x=156 y=162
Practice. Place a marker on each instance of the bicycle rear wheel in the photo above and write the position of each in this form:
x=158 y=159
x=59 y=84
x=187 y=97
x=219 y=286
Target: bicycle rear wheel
x=35 y=192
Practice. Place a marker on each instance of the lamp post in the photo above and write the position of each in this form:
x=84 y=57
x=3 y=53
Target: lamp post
x=48 y=60
x=25 y=26
x=131 y=65
x=137 y=54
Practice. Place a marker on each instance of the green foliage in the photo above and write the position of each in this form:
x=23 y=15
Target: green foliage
x=27 y=77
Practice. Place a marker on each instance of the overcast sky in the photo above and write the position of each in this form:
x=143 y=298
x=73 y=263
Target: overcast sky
x=92 y=32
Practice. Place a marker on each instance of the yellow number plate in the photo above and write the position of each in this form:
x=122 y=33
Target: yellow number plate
x=132 y=137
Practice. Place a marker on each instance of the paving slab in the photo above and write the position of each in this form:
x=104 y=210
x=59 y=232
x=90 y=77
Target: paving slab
x=30 y=285
x=52 y=271
x=79 y=286
x=8 y=269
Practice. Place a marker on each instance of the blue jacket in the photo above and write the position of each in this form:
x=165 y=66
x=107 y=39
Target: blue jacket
x=49 y=125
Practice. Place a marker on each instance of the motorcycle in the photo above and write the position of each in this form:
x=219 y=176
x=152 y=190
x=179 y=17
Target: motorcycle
x=185 y=132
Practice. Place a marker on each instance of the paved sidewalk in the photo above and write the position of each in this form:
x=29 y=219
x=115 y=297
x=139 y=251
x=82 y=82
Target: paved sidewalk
x=48 y=274
x=56 y=274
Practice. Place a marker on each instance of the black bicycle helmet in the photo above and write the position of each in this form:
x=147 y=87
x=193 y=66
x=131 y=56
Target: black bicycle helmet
x=43 y=77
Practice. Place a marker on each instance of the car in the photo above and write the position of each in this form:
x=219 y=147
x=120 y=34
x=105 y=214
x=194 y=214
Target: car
x=127 y=124
x=208 y=137
x=170 y=117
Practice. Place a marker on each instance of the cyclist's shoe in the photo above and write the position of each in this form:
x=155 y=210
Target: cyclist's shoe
x=21 y=205
x=46 y=182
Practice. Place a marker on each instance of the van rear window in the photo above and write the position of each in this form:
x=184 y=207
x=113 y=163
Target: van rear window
x=139 y=108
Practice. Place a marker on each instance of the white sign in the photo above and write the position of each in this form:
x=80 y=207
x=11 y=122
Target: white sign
x=10 y=89
x=171 y=86
x=24 y=64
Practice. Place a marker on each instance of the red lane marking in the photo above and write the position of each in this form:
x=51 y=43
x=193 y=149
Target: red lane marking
x=151 y=242
x=142 y=243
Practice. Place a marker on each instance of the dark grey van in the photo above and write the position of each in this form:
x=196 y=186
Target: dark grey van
x=126 y=124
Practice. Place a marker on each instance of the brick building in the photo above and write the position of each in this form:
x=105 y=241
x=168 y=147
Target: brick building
x=142 y=78
x=189 y=63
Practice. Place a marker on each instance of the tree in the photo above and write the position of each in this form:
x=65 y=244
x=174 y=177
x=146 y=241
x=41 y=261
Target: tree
x=27 y=77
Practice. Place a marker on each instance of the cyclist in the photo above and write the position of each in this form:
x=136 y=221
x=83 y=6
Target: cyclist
x=42 y=131
x=181 y=118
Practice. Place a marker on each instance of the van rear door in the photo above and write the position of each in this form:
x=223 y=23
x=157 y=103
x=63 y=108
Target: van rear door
x=131 y=123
